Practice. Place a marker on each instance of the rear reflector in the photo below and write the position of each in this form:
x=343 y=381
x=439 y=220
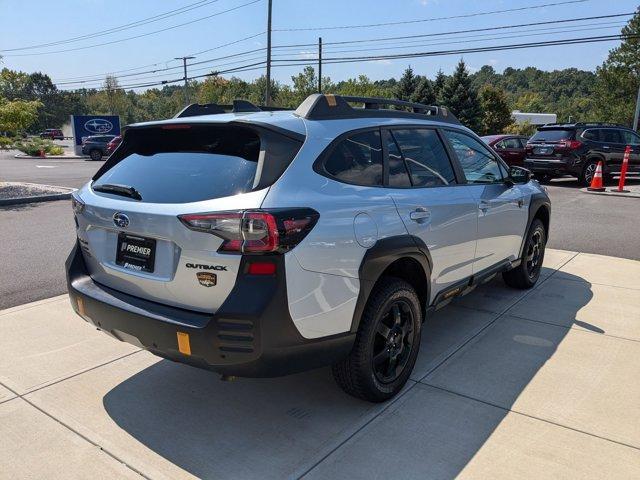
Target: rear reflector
x=184 y=346
x=262 y=268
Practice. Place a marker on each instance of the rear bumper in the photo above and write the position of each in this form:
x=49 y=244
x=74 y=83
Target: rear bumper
x=550 y=166
x=251 y=334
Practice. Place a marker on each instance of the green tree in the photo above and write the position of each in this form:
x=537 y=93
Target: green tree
x=525 y=128
x=407 y=85
x=424 y=92
x=496 y=113
x=462 y=99
x=17 y=115
x=619 y=77
x=438 y=86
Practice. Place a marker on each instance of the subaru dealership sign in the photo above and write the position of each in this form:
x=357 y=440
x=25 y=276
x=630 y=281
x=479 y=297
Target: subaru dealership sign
x=86 y=125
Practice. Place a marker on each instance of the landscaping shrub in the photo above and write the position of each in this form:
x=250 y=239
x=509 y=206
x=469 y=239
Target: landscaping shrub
x=33 y=146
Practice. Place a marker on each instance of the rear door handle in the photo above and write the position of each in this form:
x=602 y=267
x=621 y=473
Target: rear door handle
x=420 y=215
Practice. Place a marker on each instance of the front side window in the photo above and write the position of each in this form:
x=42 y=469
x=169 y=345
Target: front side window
x=477 y=162
x=425 y=157
x=630 y=138
x=357 y=160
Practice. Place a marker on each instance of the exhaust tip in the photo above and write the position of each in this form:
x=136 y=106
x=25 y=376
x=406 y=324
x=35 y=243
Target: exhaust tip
x=228 y=378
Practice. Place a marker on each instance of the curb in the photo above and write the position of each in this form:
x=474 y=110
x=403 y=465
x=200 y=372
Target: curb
x=612 y=193
x=51 y=157
x=65 y=195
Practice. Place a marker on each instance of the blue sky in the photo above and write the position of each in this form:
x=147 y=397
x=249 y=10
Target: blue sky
x=26 y=23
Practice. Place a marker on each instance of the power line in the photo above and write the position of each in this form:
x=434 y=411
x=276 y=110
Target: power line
x=452 y=17
x=337 y=60
x=144 y=21
x=102 y=75
x=473 y=30
x=138 y=36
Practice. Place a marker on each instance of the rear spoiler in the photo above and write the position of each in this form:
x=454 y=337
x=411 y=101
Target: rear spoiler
x=238 y=106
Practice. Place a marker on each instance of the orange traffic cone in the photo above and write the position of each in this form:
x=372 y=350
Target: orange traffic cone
x=596 y=181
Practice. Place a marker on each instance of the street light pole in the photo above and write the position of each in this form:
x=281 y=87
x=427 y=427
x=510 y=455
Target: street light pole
x=186 y=87
x=319 y=64
x=267 y=94
x=637 y=114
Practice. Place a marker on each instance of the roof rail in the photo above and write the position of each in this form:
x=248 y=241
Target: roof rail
x=584 y=124
x=327 y=107
x=239 y=106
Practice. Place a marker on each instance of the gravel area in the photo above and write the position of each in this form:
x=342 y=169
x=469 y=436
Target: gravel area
x=10 y=190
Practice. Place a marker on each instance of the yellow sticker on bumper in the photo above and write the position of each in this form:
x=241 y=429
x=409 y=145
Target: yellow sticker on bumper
x=183 y=343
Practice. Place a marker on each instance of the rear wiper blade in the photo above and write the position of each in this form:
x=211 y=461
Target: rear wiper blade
x=124 y=190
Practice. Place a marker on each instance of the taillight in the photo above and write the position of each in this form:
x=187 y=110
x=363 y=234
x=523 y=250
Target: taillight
x=572 y=144
x=76 y=204
x=255 y=231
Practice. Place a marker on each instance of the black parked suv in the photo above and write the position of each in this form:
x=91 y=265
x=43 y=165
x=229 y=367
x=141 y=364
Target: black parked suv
x=575 y=149
x=96 y=146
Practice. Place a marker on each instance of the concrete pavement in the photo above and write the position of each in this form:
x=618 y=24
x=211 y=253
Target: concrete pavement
x=508 y=384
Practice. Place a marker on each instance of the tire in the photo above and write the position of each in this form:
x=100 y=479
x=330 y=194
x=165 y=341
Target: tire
x=587 y=172
x=386 y=345
x=544 y=179
x=526 y=274
x=95 y=155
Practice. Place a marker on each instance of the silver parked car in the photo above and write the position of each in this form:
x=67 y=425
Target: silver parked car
x=262 y=243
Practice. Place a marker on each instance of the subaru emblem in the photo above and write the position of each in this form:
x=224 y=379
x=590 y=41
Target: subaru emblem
x=98 y=125
x=120 y=220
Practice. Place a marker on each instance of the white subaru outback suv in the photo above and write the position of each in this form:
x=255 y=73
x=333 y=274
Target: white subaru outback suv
x=262 y=243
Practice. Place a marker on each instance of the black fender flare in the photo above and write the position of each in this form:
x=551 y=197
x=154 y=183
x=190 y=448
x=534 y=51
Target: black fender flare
x=379 y=257
x=538 y=200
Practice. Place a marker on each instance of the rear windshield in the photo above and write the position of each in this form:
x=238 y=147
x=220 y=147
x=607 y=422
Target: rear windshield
x=552 y=135
x=194 y=163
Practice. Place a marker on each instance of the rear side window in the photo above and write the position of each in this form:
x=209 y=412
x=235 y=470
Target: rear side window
x=425 y=157
x=610 y=135
x=196 y=163
x=398 y=174
x=591 y=134
x=552 y=135
x=357 y=160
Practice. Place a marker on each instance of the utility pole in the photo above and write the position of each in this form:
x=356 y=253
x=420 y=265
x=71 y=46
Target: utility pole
x=319 y=64
x=267 y=95
x=186 y=87
x=635 y=117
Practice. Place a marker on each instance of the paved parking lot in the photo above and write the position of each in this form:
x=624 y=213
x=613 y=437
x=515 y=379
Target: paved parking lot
x=508 y=384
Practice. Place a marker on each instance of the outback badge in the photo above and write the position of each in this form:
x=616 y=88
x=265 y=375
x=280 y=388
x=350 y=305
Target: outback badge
x=207 y=279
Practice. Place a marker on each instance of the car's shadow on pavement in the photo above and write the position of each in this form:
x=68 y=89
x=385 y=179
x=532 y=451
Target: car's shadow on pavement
x=276 y=428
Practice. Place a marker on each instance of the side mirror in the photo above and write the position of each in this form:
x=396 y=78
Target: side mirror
x=519 y=175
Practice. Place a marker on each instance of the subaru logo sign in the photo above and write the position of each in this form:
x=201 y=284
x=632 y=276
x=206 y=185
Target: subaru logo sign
x=120 y=220
x=98 y=125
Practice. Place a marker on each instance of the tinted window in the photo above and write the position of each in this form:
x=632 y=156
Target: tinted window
x=425 y=157
x=357 y=160
x=591 y=134
x=398 y=175
x=513 y=143
x=630 y=138
x=179 y=166
x=479 y=165
x=552 y=135
x=523 y=142
x=609 y=135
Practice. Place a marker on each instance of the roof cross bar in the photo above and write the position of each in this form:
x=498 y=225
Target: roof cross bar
x=328 y=107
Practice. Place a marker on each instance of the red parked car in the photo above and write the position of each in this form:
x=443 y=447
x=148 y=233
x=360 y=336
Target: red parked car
x=510 y=147
x=111 y=146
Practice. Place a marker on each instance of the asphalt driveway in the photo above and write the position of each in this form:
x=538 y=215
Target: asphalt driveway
x=508 y=384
